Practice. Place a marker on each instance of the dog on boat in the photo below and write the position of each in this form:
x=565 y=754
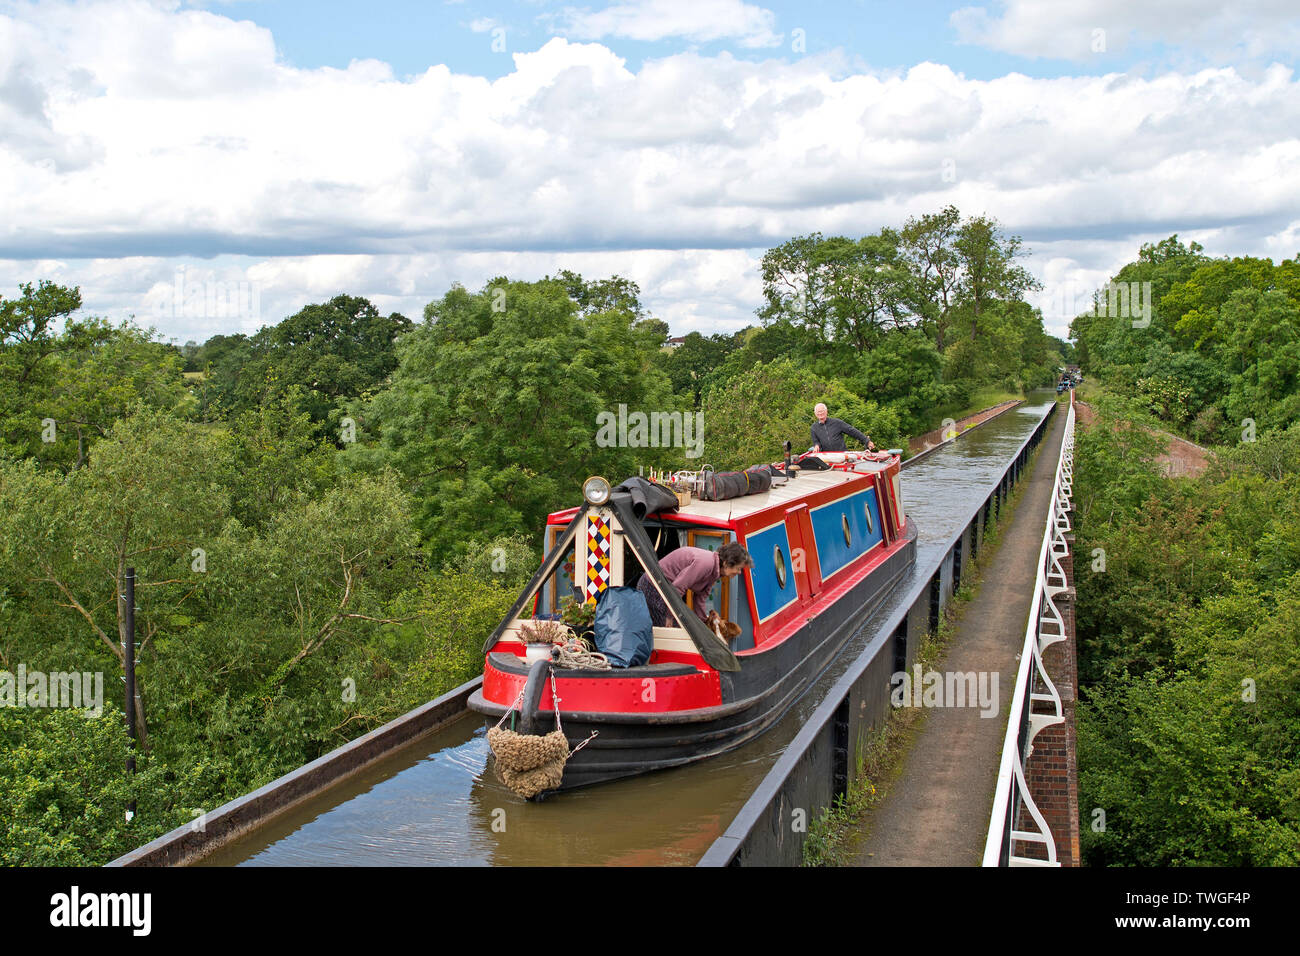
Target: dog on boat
x=726 y=630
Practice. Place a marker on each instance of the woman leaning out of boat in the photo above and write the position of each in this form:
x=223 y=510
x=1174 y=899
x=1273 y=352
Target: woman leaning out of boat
x=695 y=570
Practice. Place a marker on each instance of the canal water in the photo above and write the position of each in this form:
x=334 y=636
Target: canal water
x=437 y=801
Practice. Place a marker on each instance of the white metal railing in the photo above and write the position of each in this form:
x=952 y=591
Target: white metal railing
x=1046 y=627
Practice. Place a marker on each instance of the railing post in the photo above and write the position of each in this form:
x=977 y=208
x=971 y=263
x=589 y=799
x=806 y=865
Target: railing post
x=936 y=599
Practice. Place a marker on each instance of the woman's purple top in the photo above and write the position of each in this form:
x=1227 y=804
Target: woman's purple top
x=692 y=569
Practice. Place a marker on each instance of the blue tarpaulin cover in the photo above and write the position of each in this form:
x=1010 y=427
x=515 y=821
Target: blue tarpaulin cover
x=624 y=632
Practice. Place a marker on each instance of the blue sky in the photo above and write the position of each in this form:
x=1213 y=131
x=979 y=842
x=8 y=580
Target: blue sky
x=411 y=36
x=390 y=149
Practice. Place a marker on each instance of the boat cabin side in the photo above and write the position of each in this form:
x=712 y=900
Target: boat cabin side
x=810 y=540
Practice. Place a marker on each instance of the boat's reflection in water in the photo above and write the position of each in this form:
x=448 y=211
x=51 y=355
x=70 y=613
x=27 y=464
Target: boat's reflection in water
x=438 y=801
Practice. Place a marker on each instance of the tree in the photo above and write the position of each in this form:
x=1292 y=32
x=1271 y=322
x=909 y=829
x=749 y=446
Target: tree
x=27 y=326
x=153 y=490
x=1189 y=666
x=904 y=373
x=279 y=459
x=928 y=248
x=614 y=294
x=844 y=292
x=28 y=340
x=65 y=789
x=492 y=414
x=750 y=416
x=1265 y=346
x=794 y=285
x=691 y=365
x=333 y=352
x=101 y=374
x=322 y=567
x=989 y=272
x=1111 y=345
x=767 y=343
x=222 y=359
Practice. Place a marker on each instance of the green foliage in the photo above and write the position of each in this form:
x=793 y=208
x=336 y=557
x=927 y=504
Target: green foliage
x=691 y=366
x=1189 y=732
x=102 y=375
x=758 y=410
x=278 y=458
x=492 y=415
x=295 y=588
x=914 y=319
x=331 y=353
x=510 y=560
x=846 y=292
x=83 y=379
x=455 y=613
x=1223 y=346
x=65 y=790
x=579 y=615
x=904 y=373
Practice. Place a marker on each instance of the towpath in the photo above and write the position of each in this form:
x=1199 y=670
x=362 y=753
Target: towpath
x=936 y=810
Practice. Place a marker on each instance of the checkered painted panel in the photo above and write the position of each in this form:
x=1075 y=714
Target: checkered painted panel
x=598 y=534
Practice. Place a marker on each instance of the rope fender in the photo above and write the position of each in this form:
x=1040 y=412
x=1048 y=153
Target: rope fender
x=531 y=763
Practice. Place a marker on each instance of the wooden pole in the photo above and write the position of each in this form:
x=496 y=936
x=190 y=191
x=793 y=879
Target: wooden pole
x=128 y=663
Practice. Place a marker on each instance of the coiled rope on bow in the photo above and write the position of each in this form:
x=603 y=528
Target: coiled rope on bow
x=576 y=653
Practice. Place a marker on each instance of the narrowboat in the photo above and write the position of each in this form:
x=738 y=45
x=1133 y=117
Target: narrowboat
x=827 y=548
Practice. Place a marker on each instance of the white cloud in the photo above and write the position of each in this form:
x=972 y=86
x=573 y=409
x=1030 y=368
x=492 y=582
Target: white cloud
x=1080 y=29
x=695 y=20
x=196 y=142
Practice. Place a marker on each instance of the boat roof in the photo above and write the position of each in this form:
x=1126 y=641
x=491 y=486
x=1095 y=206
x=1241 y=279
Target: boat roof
x=793 y=490
x=846 y=469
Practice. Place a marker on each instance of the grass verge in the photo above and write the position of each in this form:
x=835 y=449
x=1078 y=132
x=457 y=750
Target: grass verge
x=979 y=400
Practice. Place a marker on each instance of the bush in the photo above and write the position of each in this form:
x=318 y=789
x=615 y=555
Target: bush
x=1189 y=658
x=64 y=789
x=507 y=560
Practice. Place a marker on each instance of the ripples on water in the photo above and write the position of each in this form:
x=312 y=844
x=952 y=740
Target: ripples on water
x=437 y=802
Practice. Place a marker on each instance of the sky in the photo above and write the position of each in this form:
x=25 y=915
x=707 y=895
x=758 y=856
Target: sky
x=211 y=167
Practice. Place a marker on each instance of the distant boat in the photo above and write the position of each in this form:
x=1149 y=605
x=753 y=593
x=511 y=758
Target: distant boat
x=828 y=547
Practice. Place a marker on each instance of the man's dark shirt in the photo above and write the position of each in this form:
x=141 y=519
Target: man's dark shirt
x=829 y=435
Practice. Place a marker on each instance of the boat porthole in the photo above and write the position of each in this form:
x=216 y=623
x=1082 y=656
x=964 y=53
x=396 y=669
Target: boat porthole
x=848 y=535
x=866 y=507
x=780 y=566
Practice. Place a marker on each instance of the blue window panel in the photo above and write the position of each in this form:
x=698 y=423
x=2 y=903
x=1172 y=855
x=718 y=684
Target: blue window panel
x=833 y=553
x=769 y=596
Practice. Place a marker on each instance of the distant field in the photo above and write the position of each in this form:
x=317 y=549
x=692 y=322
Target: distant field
x=194 y=376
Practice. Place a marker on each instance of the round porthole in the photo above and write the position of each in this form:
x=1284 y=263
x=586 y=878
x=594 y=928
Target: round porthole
x=848 y=535
x=866 y=507
x=780 y=566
